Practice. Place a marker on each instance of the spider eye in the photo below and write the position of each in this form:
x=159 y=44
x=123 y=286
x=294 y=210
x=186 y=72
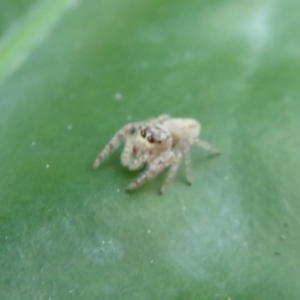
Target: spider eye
x=150 y=139
x=132 y=130
x=143 y=133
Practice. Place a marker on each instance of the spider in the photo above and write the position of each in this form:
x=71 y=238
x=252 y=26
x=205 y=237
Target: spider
x=156 y=144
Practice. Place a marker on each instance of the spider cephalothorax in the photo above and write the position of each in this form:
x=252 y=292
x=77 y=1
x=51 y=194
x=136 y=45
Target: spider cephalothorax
x=156 y=144
x=144 y=144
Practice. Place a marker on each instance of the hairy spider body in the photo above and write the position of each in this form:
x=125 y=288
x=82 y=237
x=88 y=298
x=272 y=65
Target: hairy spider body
x=157 y=143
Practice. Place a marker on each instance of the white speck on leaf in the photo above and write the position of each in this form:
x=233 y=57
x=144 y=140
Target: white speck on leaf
x=149 y=231
x=70 y=127
x=47 y=166
x=118 y=96
x=33 y=144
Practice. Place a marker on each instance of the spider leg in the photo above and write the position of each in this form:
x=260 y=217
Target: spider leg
x=206 y=146
x=115 y=142
x=154 y=168
x=159 y=119
x=188 y=163
x=172 y=172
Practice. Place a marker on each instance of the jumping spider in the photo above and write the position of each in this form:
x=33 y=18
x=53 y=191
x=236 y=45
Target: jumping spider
x=156 y=143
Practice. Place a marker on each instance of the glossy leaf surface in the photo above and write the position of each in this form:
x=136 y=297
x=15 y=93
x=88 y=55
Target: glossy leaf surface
x=74 y=72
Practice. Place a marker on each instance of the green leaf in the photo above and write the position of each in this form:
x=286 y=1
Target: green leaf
x=74 y=72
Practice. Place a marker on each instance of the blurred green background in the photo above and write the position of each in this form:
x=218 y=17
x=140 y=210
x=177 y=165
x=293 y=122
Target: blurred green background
x=72 y=73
